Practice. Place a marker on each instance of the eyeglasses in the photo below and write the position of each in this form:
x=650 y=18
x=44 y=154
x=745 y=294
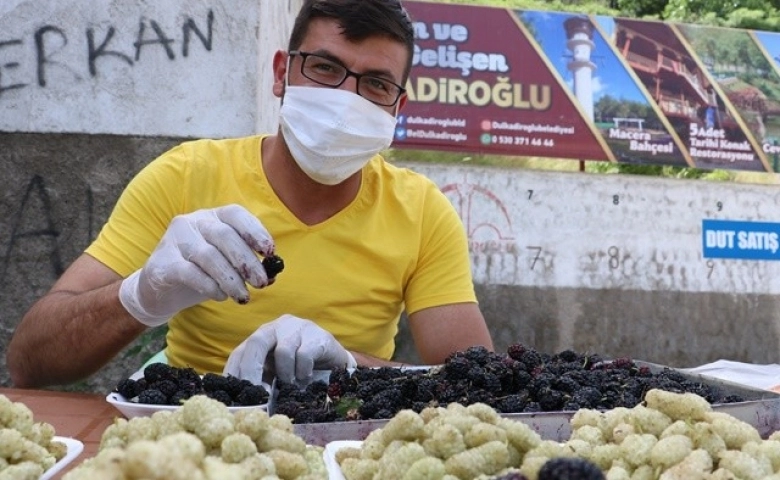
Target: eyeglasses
x=327 y=72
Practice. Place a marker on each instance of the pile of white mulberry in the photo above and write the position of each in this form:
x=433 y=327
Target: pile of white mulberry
x=202 y=440
x=672 y=436
x=27 y=448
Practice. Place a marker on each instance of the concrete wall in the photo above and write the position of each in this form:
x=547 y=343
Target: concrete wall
x=140 y=67
x=614 y=264
x=607 y=264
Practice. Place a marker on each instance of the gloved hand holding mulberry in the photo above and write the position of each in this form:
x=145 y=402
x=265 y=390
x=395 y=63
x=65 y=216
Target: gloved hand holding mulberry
x=206 y=254
x=299 y=347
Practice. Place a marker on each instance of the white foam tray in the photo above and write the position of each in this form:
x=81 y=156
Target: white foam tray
x=75 y=447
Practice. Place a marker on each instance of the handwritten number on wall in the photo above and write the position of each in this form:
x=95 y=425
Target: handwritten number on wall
x=614 y=257
x=537 y=256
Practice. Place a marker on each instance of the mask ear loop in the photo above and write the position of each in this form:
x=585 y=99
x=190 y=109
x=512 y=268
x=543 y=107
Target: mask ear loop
x=286 y=78
x=287 y=72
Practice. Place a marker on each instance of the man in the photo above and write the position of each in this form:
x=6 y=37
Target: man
x=361 y=239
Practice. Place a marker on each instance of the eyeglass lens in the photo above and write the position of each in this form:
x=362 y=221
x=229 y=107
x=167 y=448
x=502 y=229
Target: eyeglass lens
x=328 y=72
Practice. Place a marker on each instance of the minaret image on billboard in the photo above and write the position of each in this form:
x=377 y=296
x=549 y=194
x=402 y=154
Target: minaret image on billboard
x=579 y=33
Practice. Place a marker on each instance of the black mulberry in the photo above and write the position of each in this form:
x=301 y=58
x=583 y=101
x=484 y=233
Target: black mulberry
x=179 y=397
x=369 y=388
x=159 y=371
x=477 y=354
x=317 y=388
x=213 y=382
x=587 y=397
x=273 y=264
x=252 y=395
x=128 y=388
x=513 y=403
x=289 y=408
x=531 y=359
x=222 y=396
x=334 y=391
x=511 y=476
x=188 y=379
x=235 y=385
x=551 y=400
x=516 y=350
x=167 y=387
x=570 y=468
x=566 y=384
x=457 y=368
x=569 y=356
x=308 y=415
x=152 y=396
x=172 y=385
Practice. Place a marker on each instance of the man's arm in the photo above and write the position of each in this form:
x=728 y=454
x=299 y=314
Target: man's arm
x=73 y=330
x=91 y=313
x=365 y=360
x=440 y=331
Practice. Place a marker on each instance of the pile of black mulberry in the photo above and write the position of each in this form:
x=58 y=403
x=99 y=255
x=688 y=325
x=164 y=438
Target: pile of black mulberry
x=522 y=380
x=560 y=468
x=163 y=384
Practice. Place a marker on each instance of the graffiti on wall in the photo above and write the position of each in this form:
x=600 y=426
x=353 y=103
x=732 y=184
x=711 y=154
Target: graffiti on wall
x=51 y=42
x=487 y=220
x=35 y=219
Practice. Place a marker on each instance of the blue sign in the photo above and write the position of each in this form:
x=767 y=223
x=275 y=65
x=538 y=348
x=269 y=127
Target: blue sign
x=738 y=239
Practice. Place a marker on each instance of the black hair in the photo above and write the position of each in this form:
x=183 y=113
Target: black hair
x=359 y=19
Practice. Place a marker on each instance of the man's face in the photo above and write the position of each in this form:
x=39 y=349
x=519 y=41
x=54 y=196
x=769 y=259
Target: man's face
x=377 y=56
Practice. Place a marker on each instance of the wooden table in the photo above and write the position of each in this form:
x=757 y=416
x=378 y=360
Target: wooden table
x=82 y=416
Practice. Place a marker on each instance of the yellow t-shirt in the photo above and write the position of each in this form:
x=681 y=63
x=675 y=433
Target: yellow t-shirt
x=399 y=244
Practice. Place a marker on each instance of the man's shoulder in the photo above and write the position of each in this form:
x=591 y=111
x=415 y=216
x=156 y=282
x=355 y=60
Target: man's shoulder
x=405 y=186
x=389 y=172
x=205 y=152
x=220 y=143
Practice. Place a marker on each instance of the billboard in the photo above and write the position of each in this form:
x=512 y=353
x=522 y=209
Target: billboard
x=564 y=85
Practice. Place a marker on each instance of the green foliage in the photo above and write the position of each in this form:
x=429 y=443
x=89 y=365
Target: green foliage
x=660 y=171
x=749 y=14
x=347 y=404
x=641 y=8
x=480 y=159
x=609 y=107
x=592 y=7
x=754 y=19
x=148 y=344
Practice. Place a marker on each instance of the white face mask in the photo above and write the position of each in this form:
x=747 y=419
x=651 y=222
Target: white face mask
x=333 y=133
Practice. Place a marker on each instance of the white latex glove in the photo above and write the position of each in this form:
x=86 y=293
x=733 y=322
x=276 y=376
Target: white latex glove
x=299 y=347
x=206 y=254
